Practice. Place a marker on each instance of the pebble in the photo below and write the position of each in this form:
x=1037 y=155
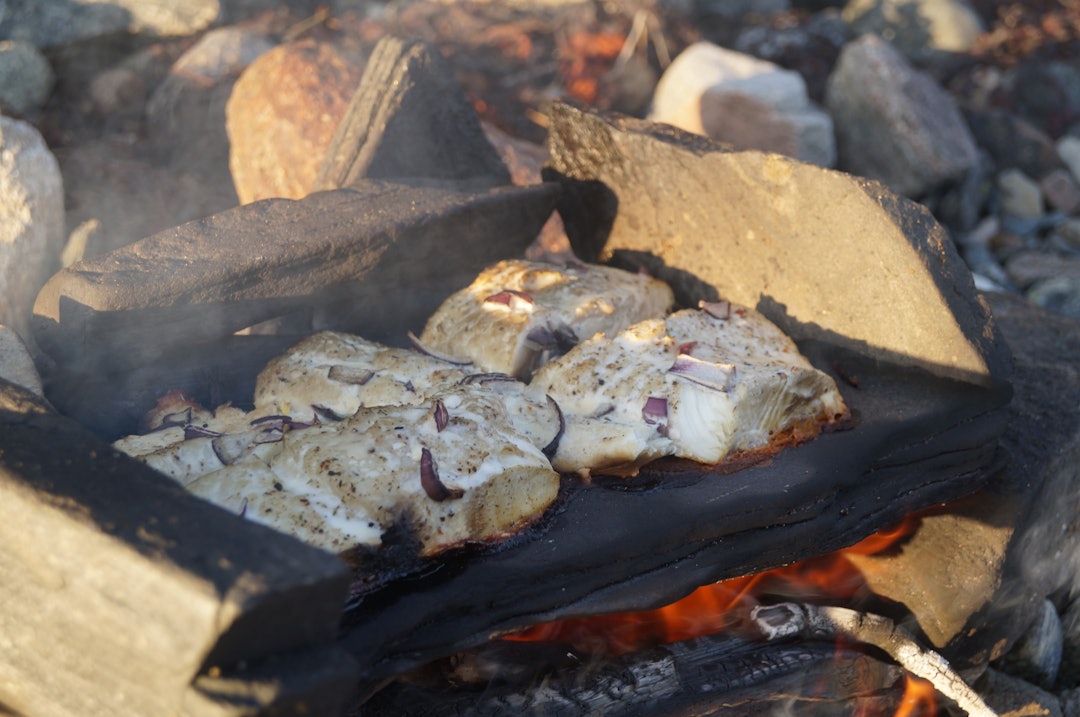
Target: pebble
x=26 y=78
x=1061 y=191
x=1020 y=194
x=894 y=123
x=1069 y=676
x=1008 y=695
x=922 y=30
x=1068 y=149
x=1059 y=293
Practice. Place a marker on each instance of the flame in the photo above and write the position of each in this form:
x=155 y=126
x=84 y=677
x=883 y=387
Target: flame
x=918 y=699
x=586 y=56
x=713 y=608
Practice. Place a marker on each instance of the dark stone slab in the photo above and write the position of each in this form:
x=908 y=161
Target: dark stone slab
x=379 y=247
x=616 y=546
x=823 y=254
x=409 y=118
x=120 y=588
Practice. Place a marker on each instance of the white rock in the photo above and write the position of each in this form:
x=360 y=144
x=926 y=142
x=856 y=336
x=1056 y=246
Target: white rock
x=31 y=219
x=1068 y=148
x=752 y=104
x=1020 y=194
x=16 y=364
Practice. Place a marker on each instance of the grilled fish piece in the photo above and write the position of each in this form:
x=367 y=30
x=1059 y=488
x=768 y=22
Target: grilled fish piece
x=518 y=314
x=330 y=375
x=696 y=385
x=453 y=469
x=187 y=441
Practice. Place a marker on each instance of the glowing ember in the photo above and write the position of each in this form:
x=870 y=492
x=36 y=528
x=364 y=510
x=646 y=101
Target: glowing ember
x=713 y=608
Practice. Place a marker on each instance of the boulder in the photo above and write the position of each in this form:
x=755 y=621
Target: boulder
x=31 y=219
x=718 y=223
x=749 y=103
x=282 y=115
x=26 y=79
x=894 y=123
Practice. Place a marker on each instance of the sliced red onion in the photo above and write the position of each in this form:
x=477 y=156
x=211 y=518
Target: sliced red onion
x=270 y=434
x=232 y=448
x=541 y=337
x=655 y=413
x=553 y=446
x=485 y=378
x=514 y=300
x=687 y=348
x=179 y=418
x=716 y=309
x=704 y=373
x=429 y=479
x=279 y=418
x=327 y=415
x=565 y=338
x=243 y=508
x=419 y=346
x=191 y=432
x=603 y=410
x=441 y=415
x=353 y=375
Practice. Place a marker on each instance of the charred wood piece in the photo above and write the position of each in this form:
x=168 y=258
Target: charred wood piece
x=410 y=118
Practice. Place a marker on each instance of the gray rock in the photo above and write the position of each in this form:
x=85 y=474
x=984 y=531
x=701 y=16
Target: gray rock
x=187 y=109
x=1058 y=293
x=1009 y=695
x=686 y=207
x=52 y=23
x=734 y=9
x=1069 y=676
x=1036 y=656
x=1061 y=190
x=26 y=79
x=749 y=103
x=894 y=123
x=1020 y=194
x=922 y=30
x=16 y=364
x=1070 y=702
x=1027 y=267
x=31 y=219
x=1013 y=142
x=1068 y=148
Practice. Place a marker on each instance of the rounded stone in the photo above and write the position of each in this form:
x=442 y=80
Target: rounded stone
x=282 y=114
x=26 y=79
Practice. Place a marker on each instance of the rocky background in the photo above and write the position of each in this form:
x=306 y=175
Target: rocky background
x=122 y=118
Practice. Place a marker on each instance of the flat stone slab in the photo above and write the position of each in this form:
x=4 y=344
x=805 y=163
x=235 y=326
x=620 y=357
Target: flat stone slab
x=121 y=589
x=392 y=252
x=823 y=254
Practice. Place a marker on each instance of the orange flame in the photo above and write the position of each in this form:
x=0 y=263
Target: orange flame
x=712 y=608
x=918 y=699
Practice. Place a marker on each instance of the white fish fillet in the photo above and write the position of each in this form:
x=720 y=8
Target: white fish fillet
x=338 y=373
x=738 y=384
x=340 y=485
x=518 y=312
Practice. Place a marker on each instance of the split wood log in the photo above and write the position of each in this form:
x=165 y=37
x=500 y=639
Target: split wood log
x=122 y=592
x=376 y=246
x=785 y=620
x=409 y=118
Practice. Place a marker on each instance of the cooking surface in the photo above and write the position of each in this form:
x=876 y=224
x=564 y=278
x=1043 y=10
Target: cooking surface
x=919 y=440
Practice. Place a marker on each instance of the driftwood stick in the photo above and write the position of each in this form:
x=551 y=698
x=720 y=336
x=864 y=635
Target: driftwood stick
x=817 y=622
